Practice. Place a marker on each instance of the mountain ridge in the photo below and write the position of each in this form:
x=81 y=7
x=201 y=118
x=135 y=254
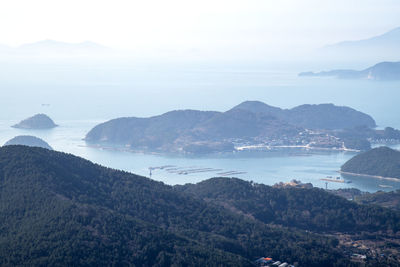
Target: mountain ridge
x=393 y=34
x=61 y=209
x=191 y=131
x=383 y=47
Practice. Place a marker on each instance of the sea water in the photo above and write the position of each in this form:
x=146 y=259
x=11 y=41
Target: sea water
x=78 y=97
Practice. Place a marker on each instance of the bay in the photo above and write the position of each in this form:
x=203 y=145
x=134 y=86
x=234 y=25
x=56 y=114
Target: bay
x=79 y=97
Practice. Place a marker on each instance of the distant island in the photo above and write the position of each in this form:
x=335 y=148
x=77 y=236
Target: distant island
x=38 y=121
x=59 y=209
x=249 y=125
x=381 y=162
x=384 y=71
x=28 y=140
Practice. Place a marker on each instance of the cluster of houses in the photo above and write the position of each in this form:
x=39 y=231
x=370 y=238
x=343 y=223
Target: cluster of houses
x=307 y=139
x=293 y=183
x=269 y=262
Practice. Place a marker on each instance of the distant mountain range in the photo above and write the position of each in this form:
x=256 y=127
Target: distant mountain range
x=390 y=39
x=385 y=47
x=54 y=48
x=384 y=71
x=192 y=131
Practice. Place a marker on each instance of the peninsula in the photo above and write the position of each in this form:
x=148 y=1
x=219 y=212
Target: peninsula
x=381 y=162
x=249 y=125
x=384 y=71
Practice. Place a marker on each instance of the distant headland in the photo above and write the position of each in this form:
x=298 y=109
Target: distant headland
x=384 y=71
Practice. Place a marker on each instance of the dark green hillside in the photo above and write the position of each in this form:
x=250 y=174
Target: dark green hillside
x=384 y=199
x=58 y=209
x=62 y=213
x=308 y=209
x=381 y=161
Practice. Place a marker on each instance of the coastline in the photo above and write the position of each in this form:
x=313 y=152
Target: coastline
x=236 y=149
x=371 y=176
x=308 y=147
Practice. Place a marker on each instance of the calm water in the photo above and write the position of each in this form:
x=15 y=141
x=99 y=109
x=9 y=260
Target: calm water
x=79 y=97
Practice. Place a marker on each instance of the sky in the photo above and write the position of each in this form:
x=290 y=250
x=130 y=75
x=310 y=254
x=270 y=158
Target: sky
x=214 y=26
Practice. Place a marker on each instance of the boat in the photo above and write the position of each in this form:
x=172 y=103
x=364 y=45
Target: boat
x=335 y=180
x=385 y=186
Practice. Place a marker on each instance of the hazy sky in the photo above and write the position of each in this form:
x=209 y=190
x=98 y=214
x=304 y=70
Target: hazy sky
x=214 y=25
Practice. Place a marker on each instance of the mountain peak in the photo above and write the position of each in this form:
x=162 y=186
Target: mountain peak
x=257 y=107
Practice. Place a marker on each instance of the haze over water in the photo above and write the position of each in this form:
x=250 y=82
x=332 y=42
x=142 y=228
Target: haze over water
x=78 y=97
x=104 y=92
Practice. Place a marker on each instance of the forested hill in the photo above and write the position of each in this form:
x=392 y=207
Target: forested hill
x=251 y=122
x=308 y=209
x=385 y=199
x=320 y=116
x=58 y=209
x=381 y=161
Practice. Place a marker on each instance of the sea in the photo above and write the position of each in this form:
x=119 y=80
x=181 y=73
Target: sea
x=78 y=96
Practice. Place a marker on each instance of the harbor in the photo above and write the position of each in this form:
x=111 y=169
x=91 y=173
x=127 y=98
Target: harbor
x=335 y=180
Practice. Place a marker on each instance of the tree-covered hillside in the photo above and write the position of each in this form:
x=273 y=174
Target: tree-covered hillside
x=321 y=116
x=308 y=209
x=384 y=199
x=381 y=161
x=251 y=122
x=58 y=209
